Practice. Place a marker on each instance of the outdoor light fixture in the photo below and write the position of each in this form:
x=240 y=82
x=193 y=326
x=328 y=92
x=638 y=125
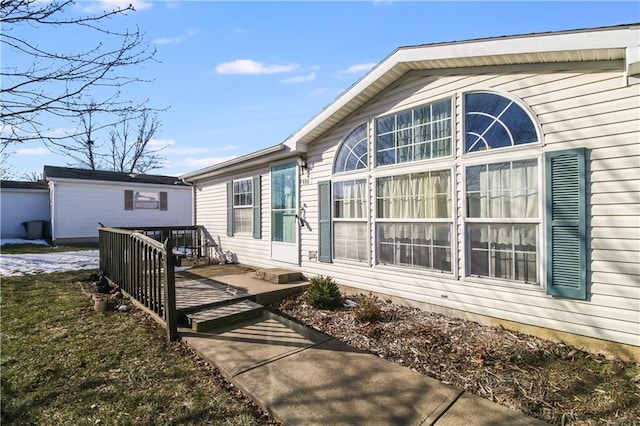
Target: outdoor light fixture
x=302 y=162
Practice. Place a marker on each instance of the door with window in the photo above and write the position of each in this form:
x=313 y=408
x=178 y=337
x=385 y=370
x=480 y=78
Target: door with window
x=284 y=209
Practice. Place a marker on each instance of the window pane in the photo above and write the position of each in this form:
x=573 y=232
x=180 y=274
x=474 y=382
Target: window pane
x=353 y=153
x=503 y=190
x=505 y=251
x=493 y=121
x=412 y=245
x=242 y=220
x=350 y=199
x=386 y=243
x=385 y=124
x=414 y=128
x=243 y=193
x=419 y=195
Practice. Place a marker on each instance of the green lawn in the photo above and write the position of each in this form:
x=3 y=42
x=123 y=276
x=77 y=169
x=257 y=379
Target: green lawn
x=63 y=363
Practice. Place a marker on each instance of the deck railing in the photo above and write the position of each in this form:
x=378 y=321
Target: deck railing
x=144 y=269
x=187 y=240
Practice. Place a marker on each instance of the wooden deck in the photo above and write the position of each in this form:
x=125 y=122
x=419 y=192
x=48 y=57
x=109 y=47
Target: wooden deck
x=203 y=286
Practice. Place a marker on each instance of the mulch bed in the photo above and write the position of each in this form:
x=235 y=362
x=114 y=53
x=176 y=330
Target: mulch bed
x=550 y=381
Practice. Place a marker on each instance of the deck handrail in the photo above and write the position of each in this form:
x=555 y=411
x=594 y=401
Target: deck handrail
x=144 y=269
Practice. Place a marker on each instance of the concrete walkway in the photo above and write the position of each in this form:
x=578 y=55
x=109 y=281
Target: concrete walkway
x=303 y=377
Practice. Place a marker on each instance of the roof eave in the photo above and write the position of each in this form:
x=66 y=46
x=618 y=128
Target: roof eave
x=541 y=48
x=264 y=156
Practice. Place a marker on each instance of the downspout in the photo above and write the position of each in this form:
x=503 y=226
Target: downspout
x=52 y=210
x=193 y=200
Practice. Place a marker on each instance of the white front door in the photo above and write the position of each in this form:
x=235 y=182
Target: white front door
x=284 y=209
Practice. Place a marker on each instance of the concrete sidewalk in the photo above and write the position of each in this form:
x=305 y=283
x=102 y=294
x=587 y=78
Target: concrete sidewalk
x=303 y=377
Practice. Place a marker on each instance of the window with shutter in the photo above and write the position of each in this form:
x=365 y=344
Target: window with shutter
x=566 y=224
x=324 y=221
x=163 y=201
x=230 y=209
x=257 y=208
x=128 y=199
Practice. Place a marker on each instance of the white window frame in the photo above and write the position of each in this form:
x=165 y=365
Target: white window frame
x=374 y=137
x=529 y=153
x=365 y=220
x=495 y=151
x=243 y=207
x=451 y=221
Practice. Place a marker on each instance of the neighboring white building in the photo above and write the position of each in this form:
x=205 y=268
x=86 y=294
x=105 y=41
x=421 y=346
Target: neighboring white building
x=81 y=200
x=22 y=202
x=494 y=179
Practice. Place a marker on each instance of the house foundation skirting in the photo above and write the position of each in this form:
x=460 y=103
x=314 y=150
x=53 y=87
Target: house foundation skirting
x=610 y=349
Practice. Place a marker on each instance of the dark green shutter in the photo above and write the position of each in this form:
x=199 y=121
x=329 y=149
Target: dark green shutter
x=128 y=199
x=257 y=208
x=230 y=208
x=324 y=221
x=566 y=223
x=164 y=204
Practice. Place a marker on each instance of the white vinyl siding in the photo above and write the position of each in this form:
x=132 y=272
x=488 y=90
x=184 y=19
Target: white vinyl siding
x=211 y=194
x=558 y=100
x=79 y=206
x=22 y=205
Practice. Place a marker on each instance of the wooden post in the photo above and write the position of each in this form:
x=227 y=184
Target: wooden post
x=170 y=291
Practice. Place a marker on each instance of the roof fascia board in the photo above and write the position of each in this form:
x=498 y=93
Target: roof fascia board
x=555 y=66
x=179 y=185
x=30 y=190
x=553 y=42
x=253 y=159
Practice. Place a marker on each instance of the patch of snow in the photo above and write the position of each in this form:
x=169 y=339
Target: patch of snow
x=12 y=265
x=5 y=241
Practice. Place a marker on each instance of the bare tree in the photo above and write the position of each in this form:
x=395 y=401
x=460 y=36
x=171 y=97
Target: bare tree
x=33 y=177
x=7 y=172
x=81 y=146
x=131 y=153
x=124 y=145
x=62 y=82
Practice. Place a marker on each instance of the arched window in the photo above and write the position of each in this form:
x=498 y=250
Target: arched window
x=353 y=154
x=494 y=121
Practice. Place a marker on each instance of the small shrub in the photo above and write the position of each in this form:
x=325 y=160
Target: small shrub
x=323 y=293
x=367 y=310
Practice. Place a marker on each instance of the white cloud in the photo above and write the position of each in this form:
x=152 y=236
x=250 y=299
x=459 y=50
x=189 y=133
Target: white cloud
x=32 y=151
x=358 y=68
x=191 y=150
x=319 y=91
x=206 y=161
x=109 y=5
x=175 y=40
x=249 y=66
x=160 y=143
x=300 y=79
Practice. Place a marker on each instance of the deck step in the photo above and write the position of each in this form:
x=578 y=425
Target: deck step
x=221 y=316
x=279 y=275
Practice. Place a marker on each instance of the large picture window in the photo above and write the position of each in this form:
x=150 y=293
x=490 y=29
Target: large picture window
x=414 y=220
x=350 y=239
x=417 y=134
x=410 y=219
x=503 y=220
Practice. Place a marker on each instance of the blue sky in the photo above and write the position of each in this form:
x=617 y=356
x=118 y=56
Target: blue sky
x=241 y=76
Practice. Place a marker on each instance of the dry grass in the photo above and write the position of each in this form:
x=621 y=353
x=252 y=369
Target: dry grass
x=63 y=363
